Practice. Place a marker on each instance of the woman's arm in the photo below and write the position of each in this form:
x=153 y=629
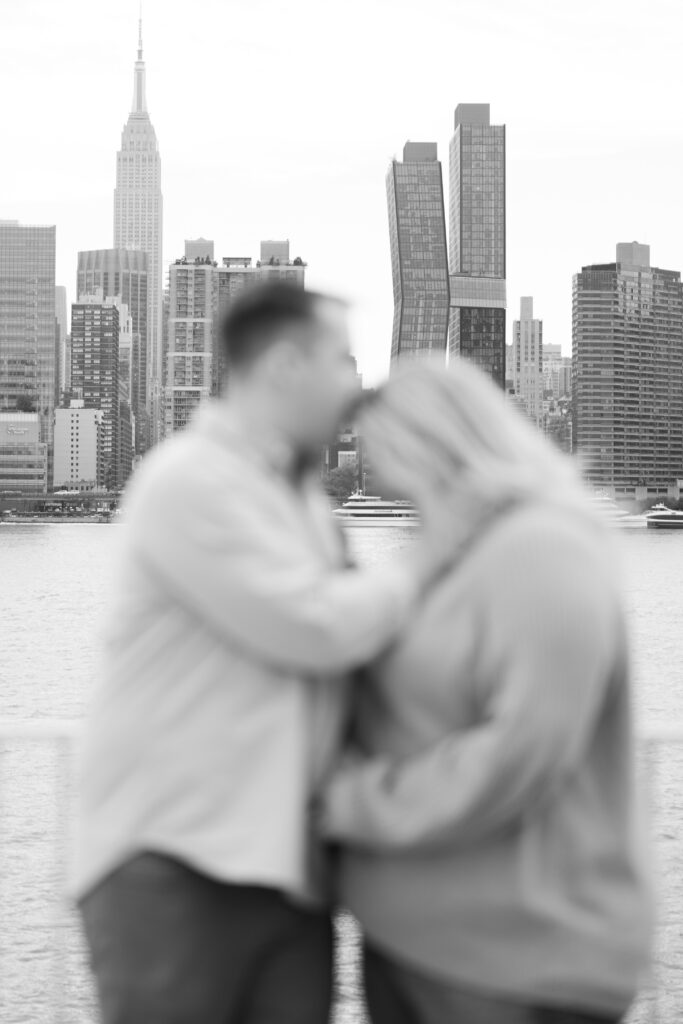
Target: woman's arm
x=550 y=644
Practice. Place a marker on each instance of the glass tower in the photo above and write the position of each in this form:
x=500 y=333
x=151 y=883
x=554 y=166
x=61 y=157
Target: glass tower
x=419 y=253
x=477 y=239
x=627 y=364
x=138 y=211
x=28 y=324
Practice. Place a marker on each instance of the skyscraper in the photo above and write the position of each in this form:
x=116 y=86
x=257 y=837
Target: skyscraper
x=527 y=359
x=28 y=324
x=123 y=273
x=95 y=373
x=627 y=333
x=138 y=214
x=63 y=355
x=192 y=305
x=477 y=239
x=419 y=254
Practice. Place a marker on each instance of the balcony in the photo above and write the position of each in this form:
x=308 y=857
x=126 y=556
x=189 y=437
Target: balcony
x=43 y=968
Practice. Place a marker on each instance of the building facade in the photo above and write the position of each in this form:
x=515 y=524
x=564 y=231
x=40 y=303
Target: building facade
x=78 y=447
x=233 y=274
x=95 y=373
x=200 y=292
x=63 y=356
x=527 y=360
x=29 y=376
x=627 y=363
x=138 y=219
x=192 y=307
x=123 y=273
x=557 y=372
x=419 y=253
x=477 y=240
x=23 y=453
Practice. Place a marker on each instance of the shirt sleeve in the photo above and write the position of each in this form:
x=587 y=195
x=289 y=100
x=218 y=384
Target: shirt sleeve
x=548 y=652
x=258 y=583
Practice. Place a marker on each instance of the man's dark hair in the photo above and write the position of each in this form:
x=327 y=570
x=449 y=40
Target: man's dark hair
x=259 y=315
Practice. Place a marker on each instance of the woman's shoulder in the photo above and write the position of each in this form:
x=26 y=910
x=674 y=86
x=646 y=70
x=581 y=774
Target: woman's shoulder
x=545 y=536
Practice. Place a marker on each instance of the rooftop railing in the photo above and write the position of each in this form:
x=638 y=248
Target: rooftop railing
x=62 y=736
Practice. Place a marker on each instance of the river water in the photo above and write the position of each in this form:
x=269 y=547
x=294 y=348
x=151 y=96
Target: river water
x=53 y=585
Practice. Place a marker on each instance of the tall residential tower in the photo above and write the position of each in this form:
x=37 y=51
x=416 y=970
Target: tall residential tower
x=419 y=254
x=477 y=239
x=138 y=214
x=627 y=362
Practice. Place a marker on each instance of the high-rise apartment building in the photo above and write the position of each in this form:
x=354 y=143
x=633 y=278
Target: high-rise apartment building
x=192 y=307
x=138 y=215
x=237 y=272
x=95 y=373
x=28 y=323
x=419 y=253
x=527 y=359
x=627 y=393
x=200 y=292
x=477 y=240
x=124 y=273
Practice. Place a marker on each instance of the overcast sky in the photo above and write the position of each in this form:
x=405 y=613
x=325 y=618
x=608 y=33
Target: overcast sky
x=279 y=119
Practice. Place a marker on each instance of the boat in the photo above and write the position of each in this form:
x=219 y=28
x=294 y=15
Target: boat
x=613 y=515
x=661 y=517
x=370 y=510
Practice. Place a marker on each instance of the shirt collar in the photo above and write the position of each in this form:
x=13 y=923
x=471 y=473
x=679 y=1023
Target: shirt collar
x=221 y=421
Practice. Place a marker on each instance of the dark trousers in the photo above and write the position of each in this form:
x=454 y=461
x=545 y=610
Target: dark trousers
x=397 y=994
x=171 y=946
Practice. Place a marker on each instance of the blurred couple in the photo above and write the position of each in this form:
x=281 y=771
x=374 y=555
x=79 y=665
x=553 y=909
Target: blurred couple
x=441 y=744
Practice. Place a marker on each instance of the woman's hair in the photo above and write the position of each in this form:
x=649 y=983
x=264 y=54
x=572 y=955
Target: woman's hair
x=454 y=430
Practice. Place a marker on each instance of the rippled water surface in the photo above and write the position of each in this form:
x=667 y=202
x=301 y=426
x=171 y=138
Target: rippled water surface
x=53 y=582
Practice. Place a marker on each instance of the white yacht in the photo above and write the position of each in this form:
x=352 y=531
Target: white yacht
x=367 y=510
x=661 y=517
x=614 y=515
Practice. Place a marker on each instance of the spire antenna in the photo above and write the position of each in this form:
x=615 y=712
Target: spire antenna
x=139 y=100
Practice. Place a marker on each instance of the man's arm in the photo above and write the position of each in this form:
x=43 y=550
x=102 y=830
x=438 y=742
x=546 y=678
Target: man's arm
x=259 y=586
x=549 y=668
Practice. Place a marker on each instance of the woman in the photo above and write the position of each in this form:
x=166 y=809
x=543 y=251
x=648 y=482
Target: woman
x=490 y=845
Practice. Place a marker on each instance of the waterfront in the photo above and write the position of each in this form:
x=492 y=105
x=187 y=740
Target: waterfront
x=53 y=589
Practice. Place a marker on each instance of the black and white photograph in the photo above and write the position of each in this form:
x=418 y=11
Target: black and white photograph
x=341 y=512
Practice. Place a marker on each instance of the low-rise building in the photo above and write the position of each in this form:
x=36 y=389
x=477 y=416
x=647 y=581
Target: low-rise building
x=23 y=456
x=78 y=447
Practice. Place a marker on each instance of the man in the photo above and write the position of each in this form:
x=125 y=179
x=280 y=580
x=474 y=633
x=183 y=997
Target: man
x=233 y=622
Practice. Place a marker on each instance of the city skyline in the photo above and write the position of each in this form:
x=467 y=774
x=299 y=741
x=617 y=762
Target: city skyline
x=579 y=174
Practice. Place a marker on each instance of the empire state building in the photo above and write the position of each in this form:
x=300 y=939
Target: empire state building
x=138 y=218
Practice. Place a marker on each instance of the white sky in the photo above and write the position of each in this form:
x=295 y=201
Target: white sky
x=279 y=119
